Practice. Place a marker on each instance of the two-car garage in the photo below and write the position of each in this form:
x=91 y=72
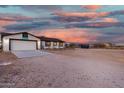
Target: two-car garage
x=20 y=41
x=18 y=44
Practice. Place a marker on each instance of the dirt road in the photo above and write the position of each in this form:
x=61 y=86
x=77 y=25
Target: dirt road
x=67 y=68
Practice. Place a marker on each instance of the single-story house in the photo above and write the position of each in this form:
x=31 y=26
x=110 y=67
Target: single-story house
x=101 y=45
x=51 y=43
x=118 y=46
x=28 y=41
x=19 y=41
x=84 y=46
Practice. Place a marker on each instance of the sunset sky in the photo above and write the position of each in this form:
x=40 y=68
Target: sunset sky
x=79 y=23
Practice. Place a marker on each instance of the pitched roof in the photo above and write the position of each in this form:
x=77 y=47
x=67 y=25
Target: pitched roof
x=50 y=39
x=42 y=38
x=3 y=33
x=7 y=34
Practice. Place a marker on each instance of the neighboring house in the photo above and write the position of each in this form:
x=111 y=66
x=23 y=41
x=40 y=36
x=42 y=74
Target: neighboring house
x=119 y=45
x=51 y=43
x=72 y=45
x=101 y=45
x=84 y=46
x=19 y=41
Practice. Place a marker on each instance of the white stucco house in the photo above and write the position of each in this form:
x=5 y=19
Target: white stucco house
x=27 y=41
x=19 y=41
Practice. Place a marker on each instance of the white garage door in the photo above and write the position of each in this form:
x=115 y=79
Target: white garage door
x=23 y=45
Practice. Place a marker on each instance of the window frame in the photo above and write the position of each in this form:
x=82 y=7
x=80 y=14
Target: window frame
x=47 y=45
x=25 y=35
x=54 y=43
x=61 y=43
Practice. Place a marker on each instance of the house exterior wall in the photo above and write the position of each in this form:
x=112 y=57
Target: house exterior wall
x=43 y=45
x=0 y=37
x=52 y=45
x=62 y=46
x=57 y=45
x=17 y=36
x=0 y=41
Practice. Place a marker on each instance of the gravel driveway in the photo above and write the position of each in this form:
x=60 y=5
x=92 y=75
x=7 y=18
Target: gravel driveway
x=67 y=68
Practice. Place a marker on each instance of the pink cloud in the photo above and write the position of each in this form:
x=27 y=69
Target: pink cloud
x=69 y=35
x=14 y=17
x=107 y=20
x=92 y=7
x=11 y=19
x=97 y=23
x=83 y=14
x=111 y=20
x=5 y=23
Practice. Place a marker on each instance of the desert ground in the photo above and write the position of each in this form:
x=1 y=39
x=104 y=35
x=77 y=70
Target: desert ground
x=70 y=68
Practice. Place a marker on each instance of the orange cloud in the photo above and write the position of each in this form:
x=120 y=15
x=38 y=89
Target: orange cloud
x=69 y=35
x=6 y=22
x=108 y=20
x=83 y=14
x=11 y=19
x=112 y=20
x=92 y=7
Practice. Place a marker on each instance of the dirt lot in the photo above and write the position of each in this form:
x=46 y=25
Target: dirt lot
x=65 y=68
x=6 y=56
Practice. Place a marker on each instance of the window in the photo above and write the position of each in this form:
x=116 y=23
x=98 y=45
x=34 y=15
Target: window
x=25 y=35
x=54 y=43
x=47 y=44
x=60 y=44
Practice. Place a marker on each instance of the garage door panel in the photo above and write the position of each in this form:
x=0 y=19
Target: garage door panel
x=23 y=45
